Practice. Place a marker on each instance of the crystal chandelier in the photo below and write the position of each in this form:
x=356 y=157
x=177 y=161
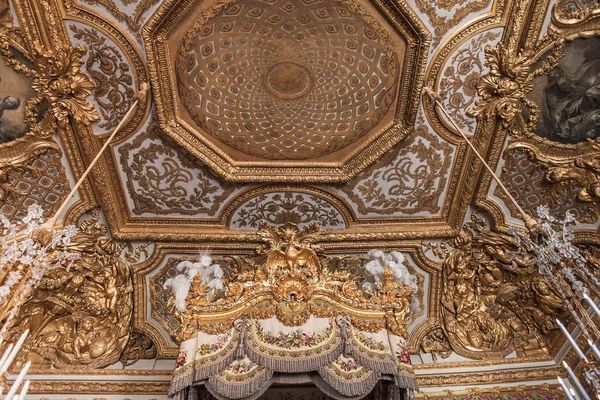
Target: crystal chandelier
x=31 y=247
x=547 y=243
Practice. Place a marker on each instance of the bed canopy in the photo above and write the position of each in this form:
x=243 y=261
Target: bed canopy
x=288 y=316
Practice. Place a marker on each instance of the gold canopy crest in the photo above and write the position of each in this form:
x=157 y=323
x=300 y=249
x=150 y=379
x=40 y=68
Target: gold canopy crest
x=291 y=278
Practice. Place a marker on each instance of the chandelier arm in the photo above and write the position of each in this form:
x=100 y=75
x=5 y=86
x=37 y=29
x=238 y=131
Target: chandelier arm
x=530 y=222
x=140 y=96
x=566 y=287
x=582 y=312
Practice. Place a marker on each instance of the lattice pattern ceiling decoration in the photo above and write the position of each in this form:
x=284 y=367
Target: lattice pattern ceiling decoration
x=303 y=111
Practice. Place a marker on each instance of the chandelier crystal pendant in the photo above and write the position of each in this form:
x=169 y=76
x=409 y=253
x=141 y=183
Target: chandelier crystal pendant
x=31 y=247
x=548 y=243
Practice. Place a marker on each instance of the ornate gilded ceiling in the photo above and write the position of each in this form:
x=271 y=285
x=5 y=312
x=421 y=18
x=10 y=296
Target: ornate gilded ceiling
x=286 y=90
x=308 y=111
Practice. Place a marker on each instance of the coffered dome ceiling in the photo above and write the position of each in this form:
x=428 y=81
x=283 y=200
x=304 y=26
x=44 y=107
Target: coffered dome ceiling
x=286 y=84
x=287 y=79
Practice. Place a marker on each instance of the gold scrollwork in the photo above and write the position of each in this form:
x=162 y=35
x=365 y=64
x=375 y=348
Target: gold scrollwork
x=504 y=89
x=61 y=89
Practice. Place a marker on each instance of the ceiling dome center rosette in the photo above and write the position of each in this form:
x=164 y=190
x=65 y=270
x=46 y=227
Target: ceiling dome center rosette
x=304 y=90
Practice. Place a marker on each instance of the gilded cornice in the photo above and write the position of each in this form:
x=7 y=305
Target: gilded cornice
x=491 y=377
x=106 y=387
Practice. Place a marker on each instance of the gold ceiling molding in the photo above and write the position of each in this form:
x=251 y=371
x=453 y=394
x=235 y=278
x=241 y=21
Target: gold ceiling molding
x=409 y=40
x=358 y=233
x=98 y=387
x=520 y=392
x=490 y=377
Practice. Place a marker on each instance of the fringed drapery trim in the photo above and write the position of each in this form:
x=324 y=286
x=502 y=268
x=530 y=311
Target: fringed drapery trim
x=356 y=387
x=406 y=381
x=181 y=382
x=203 y=371
x=237 y=390
x=294 y=365
x=382 y=365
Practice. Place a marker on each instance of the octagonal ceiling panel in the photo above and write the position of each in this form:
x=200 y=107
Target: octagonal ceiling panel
x=306 y=90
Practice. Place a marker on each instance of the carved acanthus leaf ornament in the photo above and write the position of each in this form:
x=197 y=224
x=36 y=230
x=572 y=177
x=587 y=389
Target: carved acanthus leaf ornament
x=64 y=86
x=494 y=301
x=504 y=89
x=61 y=92
x=57 y=79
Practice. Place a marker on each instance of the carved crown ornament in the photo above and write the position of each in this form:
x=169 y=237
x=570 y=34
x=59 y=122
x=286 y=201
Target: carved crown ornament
x=290 y=93
x=287 y=309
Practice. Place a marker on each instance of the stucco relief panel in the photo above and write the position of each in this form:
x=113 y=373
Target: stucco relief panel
x=282 y=207
x=162 y=178
x=444 y=17
x=409 y=180
x=109 y=70
x=465 y=67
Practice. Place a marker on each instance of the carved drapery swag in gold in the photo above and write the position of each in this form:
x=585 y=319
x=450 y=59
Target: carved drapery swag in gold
x=287 y=310
x=80 y=316
x=495 y=301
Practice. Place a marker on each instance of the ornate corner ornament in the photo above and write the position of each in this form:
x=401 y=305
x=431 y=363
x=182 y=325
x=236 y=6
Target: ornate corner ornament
x=567 y=13
x=494 y=301
x=289 y=309
x=505 y=88
x=79 y=314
